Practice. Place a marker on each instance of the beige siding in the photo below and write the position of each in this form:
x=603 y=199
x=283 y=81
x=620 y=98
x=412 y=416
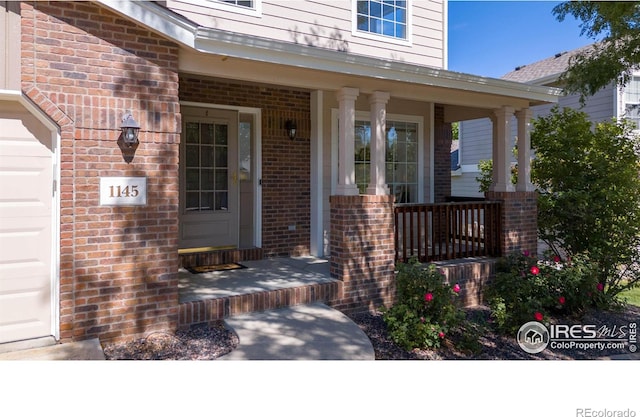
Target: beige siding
x=325 y=25
x=9 y=45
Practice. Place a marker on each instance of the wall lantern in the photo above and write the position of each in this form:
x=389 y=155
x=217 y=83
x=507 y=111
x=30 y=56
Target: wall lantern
x=130 y=129
x=290 y=126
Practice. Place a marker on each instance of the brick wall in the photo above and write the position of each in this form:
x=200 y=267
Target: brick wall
x=84 y=67
x=519 y=220
x=441 y=156
x=472 y=276
x=286 y=166
x=363 y=251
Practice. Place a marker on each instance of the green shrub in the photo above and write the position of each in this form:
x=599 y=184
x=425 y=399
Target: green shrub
x=425 y=311
x=525 y=289
x=589 y=192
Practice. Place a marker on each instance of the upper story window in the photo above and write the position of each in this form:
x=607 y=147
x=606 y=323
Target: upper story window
x=383 y=17
x=243 y=3
x=631 y=101
x=248 y=7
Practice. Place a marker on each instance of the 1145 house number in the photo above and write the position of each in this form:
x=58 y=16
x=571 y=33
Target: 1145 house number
x=123 y=191
x=116 y=191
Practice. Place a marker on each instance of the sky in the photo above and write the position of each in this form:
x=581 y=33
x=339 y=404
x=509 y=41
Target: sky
x=491 y=38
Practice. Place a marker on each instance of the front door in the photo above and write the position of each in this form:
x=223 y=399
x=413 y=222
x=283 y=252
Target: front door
x=209 y=179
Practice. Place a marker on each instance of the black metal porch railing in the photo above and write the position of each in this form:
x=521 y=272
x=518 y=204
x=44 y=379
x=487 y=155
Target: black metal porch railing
x=434 y=232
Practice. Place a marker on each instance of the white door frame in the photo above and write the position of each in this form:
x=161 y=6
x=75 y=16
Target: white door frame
x=257 y=186
x=16 y=96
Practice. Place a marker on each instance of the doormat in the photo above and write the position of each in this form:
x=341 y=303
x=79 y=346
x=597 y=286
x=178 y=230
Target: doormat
x=213 y=268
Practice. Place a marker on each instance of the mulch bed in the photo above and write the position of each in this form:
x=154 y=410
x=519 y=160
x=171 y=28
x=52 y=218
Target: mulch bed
x=211 y=342
x=493 y=345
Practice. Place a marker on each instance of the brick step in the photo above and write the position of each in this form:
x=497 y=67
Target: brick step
x=214 y=309
x=217 y=257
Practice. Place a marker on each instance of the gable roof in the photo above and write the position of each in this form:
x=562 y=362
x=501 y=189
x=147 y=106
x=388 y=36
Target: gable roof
x=545 y=71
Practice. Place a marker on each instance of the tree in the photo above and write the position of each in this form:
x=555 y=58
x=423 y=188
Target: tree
x=614 y=57
x=589 y=201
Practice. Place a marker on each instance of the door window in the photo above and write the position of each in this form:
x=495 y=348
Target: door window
x=207 y=170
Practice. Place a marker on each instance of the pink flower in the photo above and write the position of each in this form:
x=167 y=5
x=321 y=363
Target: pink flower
x=538 y=316
x=562 y=300
x=600 y=286
x=535 y=270
x=441 y=335
x=428 y=297
x=526 y=253
x=556 y=259
x=456 y=288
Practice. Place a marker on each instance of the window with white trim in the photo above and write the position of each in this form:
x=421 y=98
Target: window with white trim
x=383 y=17
x=247 y=7
x=243 y=3
x=401 y=141
x=631 y=101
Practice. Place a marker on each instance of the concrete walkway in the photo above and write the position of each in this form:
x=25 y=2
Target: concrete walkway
x=82 y=351
x=303 y=332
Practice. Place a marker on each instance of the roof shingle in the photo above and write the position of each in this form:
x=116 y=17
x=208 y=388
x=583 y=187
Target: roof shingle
x=554 y=65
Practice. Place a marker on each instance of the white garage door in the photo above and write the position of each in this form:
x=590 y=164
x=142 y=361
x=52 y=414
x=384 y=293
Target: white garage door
x=26 y=196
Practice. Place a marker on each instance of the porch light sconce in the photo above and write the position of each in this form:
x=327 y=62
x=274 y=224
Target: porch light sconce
x=130 y=129
x=290 y=126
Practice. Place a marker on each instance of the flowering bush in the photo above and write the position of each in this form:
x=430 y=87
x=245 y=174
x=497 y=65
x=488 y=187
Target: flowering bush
x=525 y=289
x=425 y=311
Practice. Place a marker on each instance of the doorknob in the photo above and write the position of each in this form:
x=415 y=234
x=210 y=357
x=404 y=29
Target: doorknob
x=234 y=178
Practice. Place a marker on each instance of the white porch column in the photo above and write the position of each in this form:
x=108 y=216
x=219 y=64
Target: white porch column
x=346 y=145
x=524 y=150
x=317 y=203
x=378 y=182
x=502 y=149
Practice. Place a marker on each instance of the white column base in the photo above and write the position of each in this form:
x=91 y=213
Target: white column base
x=347 y=189
x=378 y=190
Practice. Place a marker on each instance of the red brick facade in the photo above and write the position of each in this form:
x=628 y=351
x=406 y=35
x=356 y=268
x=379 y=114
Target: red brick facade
x=85 y=67
x=363 y=251
x=441 y=156
x=286 y=166
x=519 y=220
x=472 y=276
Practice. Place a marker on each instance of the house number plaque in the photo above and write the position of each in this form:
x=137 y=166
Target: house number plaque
x=123 y=191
